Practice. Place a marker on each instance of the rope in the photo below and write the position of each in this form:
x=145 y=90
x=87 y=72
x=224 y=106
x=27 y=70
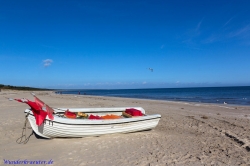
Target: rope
x=23 y=136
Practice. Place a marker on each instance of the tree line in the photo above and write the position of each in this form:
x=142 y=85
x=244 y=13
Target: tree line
x=2 y=86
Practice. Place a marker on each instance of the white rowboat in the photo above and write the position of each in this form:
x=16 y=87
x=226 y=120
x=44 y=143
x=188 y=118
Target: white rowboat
x=65 y=127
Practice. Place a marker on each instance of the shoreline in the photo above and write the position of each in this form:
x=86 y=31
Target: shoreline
x=187 y=134
x=227 y=106
x=213 y=95
x=162 y=100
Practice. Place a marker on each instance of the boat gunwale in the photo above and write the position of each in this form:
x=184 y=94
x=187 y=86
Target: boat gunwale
x=67 y=121
x=101 y=121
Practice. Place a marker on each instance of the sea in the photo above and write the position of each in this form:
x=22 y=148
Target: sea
x=239 y=95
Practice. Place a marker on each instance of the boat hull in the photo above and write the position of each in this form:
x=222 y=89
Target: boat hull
x=64 y=127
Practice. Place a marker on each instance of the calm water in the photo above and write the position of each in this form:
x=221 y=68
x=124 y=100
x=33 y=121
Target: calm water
x=230 y=95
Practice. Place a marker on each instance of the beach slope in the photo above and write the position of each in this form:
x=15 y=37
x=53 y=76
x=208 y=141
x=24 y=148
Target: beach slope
x=187 y=134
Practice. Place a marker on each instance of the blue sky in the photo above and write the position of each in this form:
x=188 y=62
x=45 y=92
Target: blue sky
x=111 y=44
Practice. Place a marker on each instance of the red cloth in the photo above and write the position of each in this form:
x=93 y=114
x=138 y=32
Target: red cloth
x=94 y=117
x=39 y=114
x=133 y=112
x=50 y=112
x=39 y=102
x=69 y=114
x=48 y=109
x=37 y=109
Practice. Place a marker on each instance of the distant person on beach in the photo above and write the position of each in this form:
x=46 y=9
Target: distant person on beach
x=79 y=93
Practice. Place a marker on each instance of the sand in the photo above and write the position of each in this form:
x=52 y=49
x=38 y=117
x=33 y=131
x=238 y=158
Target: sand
x=187 y=134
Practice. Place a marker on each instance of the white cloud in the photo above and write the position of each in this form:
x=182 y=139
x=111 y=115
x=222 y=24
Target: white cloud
x=47 y=62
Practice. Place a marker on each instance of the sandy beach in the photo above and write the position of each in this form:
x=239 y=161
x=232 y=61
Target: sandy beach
x=187 y=134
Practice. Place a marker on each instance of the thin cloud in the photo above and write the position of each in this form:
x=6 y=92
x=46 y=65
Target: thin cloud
x=47 y=62
x=198 y=26
x=47 y=46
x=197 y=30
x=193 y=35
x=228 y=21
x=114 y=83
x=211 y=39
x=242 y=32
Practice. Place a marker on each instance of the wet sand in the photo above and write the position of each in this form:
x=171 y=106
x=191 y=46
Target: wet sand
x=187 y=134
